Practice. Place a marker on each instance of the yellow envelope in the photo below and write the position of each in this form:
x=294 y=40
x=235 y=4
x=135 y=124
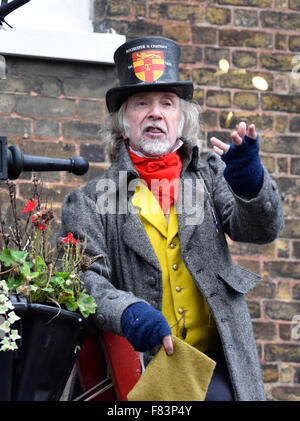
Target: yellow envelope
x=183 y=376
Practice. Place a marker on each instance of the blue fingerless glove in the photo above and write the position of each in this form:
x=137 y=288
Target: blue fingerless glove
x=144 y=326
x=244 y=171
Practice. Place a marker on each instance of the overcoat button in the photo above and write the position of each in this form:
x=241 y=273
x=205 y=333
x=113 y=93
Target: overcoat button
x=175 y=267
x=151 y=282
x=268 y=206
x=180 y=310
x=113 y=296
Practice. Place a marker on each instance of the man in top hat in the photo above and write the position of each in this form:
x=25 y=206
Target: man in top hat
x=159 y=216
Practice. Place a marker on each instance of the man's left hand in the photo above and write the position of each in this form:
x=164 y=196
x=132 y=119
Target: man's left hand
x=243 y=171
x=236 y=136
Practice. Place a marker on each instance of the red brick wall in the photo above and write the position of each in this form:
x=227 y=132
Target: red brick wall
x=53 y=109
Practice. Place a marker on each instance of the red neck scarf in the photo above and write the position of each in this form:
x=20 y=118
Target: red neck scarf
x=161 y=175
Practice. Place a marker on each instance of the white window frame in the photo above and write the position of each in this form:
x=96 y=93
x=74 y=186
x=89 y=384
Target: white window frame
x=65 y=36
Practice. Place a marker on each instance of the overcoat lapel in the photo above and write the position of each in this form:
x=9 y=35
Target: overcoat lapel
x=135 y=237
x=122 y=172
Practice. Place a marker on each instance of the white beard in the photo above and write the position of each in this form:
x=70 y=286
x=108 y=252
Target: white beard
x=155 y=146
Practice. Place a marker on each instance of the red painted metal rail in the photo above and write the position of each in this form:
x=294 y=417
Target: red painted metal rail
x=108 y=367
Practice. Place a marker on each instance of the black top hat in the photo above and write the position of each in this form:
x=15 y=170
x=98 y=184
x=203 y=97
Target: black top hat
x=147 y=64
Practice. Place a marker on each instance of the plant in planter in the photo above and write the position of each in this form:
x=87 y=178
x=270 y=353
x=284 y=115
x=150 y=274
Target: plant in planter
x=38 y=276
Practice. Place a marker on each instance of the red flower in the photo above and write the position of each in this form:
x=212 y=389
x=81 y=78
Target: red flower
x=70 y=239
x=29 y=206
x=35 y=220
x=42 y=218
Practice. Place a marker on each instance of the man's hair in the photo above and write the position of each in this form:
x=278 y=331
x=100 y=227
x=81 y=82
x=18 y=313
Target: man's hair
x=113 y=127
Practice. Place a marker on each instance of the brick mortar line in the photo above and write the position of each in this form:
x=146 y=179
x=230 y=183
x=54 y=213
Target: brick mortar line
x=209 y=25
x=205 y=24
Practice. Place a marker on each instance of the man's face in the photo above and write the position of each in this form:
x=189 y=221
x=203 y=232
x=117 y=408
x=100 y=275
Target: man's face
x=152 y=122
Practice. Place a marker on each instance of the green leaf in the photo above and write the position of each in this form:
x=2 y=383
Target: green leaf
x=13 y=346
x=5 y=326
x=3 y=309
x=3 y=287
x=63 y=275
x=19 y=256
x=87 y=305
x=67 y=290
x=69 y=303
x=67 y=286
x=12 y=317
x=34 y=275
x=9 y=305
x=41 y=261
x=48 y=289
x=5 y=344
x=14 y=335
x=7 y=258
x=57 y=280
x=10 y=257
x=26 y=268
x=3 y=299
x=13 y=283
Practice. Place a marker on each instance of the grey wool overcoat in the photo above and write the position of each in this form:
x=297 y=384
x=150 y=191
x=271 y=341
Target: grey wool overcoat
x=129 y=270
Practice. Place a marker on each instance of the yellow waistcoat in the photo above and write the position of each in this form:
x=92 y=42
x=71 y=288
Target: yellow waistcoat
x=183 y=305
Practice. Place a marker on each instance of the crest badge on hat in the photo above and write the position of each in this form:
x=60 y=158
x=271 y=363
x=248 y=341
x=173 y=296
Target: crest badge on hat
x=149 y=65
x=145 y=64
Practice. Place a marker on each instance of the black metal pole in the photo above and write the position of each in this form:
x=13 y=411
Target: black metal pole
x=13 y=162
x=77 y=165
x=17 y=162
